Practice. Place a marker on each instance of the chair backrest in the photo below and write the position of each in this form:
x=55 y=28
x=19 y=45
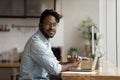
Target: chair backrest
x=57 y=52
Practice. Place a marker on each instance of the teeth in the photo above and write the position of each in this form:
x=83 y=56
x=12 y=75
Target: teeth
x=51 y=31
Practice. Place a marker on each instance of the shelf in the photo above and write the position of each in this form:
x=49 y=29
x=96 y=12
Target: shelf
x=25 y=8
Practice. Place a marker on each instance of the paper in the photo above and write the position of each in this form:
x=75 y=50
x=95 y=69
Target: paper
x=71 y=72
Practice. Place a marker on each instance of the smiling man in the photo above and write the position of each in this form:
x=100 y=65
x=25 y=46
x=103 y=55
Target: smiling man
x=38 y=61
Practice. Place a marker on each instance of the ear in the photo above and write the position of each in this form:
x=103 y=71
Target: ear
x=40 y=26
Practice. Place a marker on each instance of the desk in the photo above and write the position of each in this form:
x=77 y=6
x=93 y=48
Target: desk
x=14 y=66
x=9 y=65
x=108 y=72
x=97 y=76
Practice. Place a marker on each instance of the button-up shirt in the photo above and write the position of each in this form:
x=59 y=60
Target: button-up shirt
x=38 y=60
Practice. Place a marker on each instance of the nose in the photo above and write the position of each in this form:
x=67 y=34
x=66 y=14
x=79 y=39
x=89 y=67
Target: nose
x=52 y=26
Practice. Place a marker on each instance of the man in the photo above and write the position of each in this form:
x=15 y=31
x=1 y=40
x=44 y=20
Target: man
x=38 y=61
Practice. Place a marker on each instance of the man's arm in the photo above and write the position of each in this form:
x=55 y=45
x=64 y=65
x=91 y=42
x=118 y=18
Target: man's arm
x=73 y=61
x=68 y=65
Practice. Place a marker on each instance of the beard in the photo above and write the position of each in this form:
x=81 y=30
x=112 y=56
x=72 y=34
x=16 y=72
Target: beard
x=48 y=33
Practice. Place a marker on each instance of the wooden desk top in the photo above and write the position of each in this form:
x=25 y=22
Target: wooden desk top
x=9 y=65
x=107 y=72
x=113 y=74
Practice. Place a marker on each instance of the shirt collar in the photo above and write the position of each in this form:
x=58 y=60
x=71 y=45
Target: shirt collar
x=43 y=37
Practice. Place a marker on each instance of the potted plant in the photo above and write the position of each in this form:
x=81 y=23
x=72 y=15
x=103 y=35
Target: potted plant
x=73 y=51
x=86 y=30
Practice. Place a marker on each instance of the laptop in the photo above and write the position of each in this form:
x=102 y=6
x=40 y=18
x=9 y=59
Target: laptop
x=87 y=69
x=95 y=59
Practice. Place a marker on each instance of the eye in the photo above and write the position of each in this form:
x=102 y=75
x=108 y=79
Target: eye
x=54 y=24
x=47 y=23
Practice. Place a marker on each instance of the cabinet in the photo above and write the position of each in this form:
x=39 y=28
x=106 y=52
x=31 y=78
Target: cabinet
x=24 y=8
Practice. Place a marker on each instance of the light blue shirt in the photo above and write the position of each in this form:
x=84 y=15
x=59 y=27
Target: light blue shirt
x=38 y=60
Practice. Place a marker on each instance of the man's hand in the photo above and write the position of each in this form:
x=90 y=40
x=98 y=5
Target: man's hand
x=73 y=58
x=73 y=62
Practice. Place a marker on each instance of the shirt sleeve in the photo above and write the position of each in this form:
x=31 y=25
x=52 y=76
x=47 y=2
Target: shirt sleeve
x=45 y=58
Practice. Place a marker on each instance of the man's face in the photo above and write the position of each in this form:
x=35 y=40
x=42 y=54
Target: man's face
x=48 y=28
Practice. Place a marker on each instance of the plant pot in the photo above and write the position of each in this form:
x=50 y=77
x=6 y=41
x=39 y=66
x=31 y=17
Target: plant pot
x=87 y=48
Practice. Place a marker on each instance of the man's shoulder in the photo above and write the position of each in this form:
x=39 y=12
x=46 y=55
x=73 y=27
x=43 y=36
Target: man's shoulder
x=37 y=42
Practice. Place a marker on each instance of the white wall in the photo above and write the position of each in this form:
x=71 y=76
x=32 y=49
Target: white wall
x=73 y=14
x=118 y=31
x=16 y=38
x=110 y=22
x=111 y=31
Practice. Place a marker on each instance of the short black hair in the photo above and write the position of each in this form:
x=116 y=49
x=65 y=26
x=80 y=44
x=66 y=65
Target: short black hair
x=48 y=12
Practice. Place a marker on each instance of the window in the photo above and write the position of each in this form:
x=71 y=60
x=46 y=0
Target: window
x=24 y=8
